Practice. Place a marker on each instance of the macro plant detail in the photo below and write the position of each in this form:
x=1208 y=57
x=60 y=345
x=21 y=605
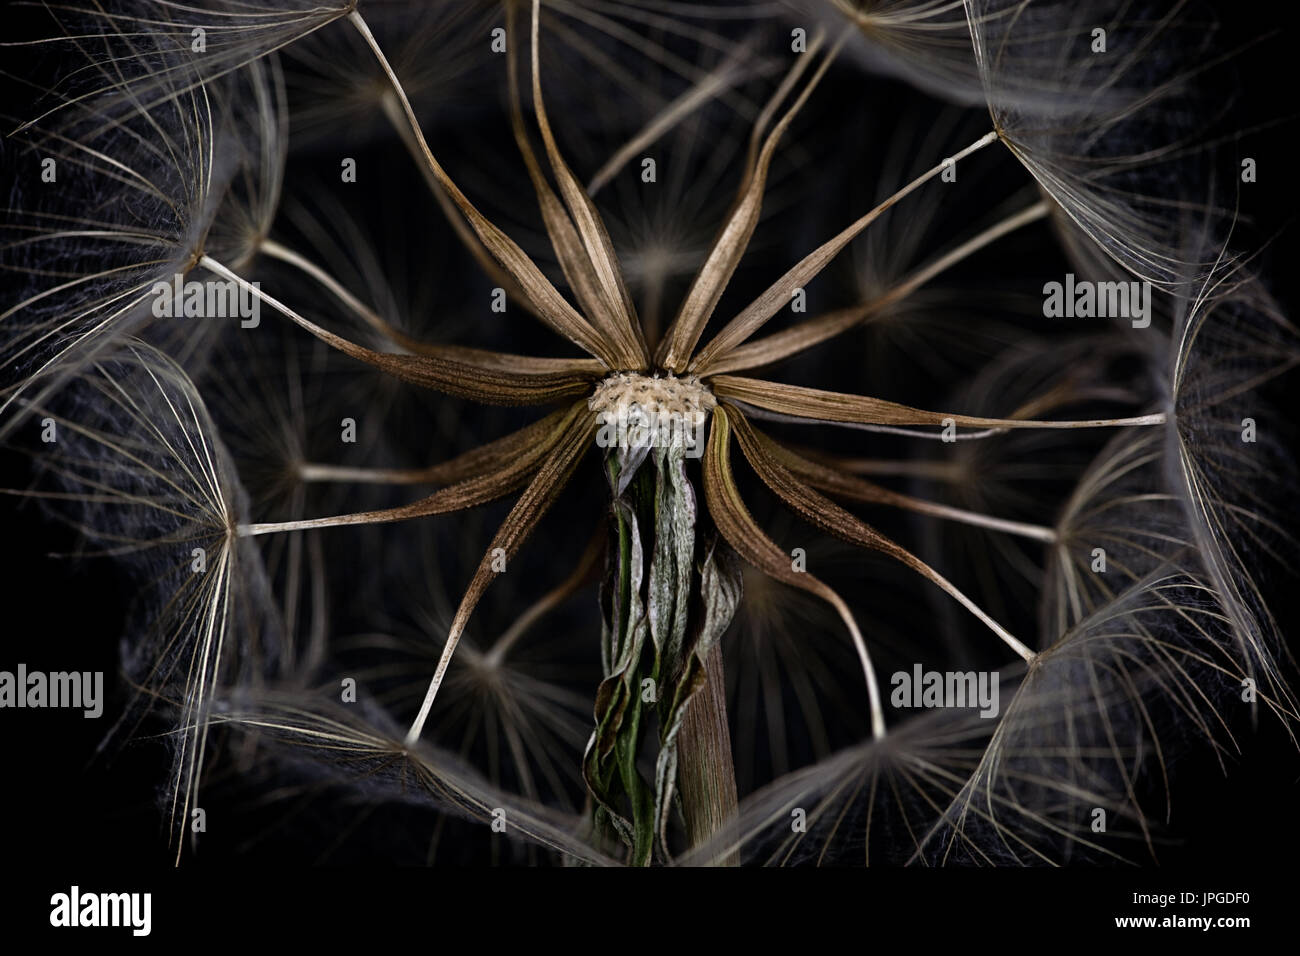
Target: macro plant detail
x=488 y=463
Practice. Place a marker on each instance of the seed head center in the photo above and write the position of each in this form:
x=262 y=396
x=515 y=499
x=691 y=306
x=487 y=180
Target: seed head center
x=662 y=395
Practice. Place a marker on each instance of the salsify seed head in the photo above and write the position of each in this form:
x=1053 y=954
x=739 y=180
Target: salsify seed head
x=786 y=237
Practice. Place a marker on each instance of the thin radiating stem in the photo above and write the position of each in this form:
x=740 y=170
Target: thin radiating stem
x=805 y=335
x=758 y=312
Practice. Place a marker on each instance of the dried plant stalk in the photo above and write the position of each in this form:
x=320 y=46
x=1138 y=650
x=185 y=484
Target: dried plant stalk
x=707 y=776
